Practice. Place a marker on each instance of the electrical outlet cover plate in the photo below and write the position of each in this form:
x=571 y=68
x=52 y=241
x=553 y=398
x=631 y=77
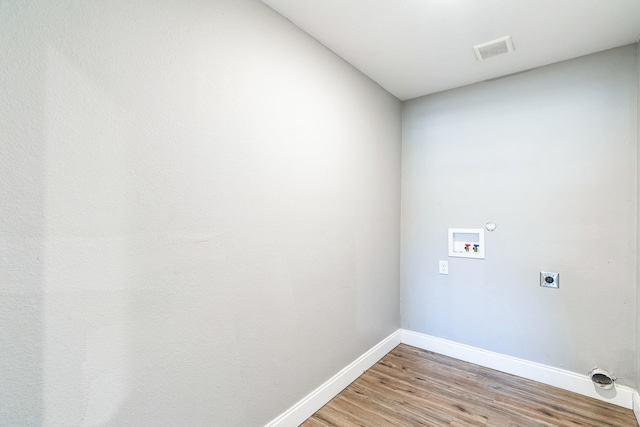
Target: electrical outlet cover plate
x=443 y=267
x=549 y=279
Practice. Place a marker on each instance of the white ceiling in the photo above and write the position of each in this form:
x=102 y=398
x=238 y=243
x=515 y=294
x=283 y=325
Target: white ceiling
x=416 y=47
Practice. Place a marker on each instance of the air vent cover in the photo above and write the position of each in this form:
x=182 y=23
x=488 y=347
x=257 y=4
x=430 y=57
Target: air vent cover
x=493 y=48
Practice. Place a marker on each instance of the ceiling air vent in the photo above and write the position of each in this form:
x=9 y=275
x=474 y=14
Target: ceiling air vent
x=493 y=48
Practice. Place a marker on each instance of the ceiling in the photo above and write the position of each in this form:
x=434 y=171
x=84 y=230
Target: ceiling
x=417 y=47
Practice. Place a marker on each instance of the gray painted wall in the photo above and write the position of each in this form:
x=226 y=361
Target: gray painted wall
x=549 y=155
x=638 y=233
x=199 y=213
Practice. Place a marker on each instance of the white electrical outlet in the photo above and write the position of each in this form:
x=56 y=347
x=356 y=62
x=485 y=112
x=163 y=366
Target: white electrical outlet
x=443 y=267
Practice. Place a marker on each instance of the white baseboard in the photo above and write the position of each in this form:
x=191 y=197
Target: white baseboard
x=619 y=395
x=571 y=381
x=302 y=410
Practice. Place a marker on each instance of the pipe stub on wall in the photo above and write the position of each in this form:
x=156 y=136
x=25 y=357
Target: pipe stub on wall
x=602 y=378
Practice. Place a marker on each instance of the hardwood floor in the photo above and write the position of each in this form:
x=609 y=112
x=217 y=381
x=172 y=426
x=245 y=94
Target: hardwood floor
x=413 y=387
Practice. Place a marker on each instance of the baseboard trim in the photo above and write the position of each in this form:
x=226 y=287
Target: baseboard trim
x=567 y=380
x=306 y=407
x=620 y=395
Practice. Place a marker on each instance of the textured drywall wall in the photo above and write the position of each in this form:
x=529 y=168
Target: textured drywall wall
x=638 y=229
x=549 y=155
x=200 y=212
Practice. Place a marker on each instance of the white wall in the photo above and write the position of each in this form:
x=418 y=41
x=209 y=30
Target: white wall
x=200 y=213
x=549 y=155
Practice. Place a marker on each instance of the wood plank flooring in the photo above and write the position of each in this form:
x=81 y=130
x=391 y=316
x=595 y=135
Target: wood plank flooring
x=413 y=387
